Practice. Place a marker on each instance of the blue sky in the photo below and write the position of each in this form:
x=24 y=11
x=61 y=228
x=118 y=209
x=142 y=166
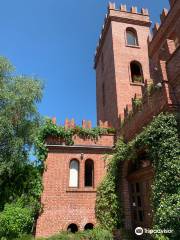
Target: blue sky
x=55 y=40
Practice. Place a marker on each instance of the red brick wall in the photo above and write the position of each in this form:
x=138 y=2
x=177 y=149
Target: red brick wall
x=123 y=55
x=165 y=68
x=105 y=140
x=116 y=75
x=105 y=75
x=152 y=106
x=63 y=205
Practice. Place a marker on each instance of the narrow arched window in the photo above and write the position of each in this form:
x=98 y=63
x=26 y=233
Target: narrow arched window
x=136 y=72
x=74 y=173
x=89 y=173
x=131 y=36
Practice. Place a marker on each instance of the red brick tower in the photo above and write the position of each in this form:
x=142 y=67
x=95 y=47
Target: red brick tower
x=72 y=173
x=121 y=61
x=122 y=66
x=71 y=176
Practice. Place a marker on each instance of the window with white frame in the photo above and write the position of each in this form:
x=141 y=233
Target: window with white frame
x=74 y=173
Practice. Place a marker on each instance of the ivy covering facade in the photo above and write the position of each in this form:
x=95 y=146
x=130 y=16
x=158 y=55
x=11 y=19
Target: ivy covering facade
x=161 y=142
x=53 y=130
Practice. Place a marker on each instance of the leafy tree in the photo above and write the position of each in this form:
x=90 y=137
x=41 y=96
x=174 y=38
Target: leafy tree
x=19 y=120
x=20 y=180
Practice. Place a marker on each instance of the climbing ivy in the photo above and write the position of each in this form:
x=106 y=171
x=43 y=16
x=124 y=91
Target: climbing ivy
x=48 y=128
x=161 y=142
x=108 y=204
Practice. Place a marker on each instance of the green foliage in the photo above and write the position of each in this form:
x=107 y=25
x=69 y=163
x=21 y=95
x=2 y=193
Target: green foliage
x=25 y=180
x=161 y=142
x=150 y=89
x=25 y=237
x=94 y=234
x=19 y=120
x=163 y=146
x=126 y=235
x=137 y=79
x=18 y=217
x=48 y=128
x=20 y=181
x=108 y=204
x=15 y=220
x=137 y=103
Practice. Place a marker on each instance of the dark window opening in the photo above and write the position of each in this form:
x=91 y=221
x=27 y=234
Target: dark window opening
x=132 y=188
x=141 y=218
x=131 y=35
x=89 y=173
x=137 y=187
x=136 y=72
x=88 y=226
x=72 y=228
x=139 y=201
x=135 y=215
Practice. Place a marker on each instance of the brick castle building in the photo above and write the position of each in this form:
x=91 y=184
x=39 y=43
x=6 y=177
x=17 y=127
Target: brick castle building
x=127 y=62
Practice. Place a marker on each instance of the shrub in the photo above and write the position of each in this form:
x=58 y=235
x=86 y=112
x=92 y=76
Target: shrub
x=25 y=237
x=15 y=220
x=95 y=234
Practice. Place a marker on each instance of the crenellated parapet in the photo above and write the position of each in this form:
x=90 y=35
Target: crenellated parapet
x=85 y=135
x=121 y=14
x=167 y=28
x=156 y=26
x=155 y=99
x=86 y=124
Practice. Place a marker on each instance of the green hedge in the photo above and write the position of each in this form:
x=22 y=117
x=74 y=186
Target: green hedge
x=95 y=234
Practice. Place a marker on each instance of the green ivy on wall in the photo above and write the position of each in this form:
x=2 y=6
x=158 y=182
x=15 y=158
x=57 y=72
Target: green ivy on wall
x=53 y=130
x=161 y=142
x=108 y=205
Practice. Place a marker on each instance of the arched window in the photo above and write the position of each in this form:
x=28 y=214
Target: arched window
x=89 y=173
x=88 y=226
x=131 y=36
x=74 y=173
x=72 y=228
x=136 y=72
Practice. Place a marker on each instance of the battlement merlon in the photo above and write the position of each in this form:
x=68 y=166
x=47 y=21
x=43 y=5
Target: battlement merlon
x=70 y=123
x=164 y=29
x=104 y=142
x=121 y=14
